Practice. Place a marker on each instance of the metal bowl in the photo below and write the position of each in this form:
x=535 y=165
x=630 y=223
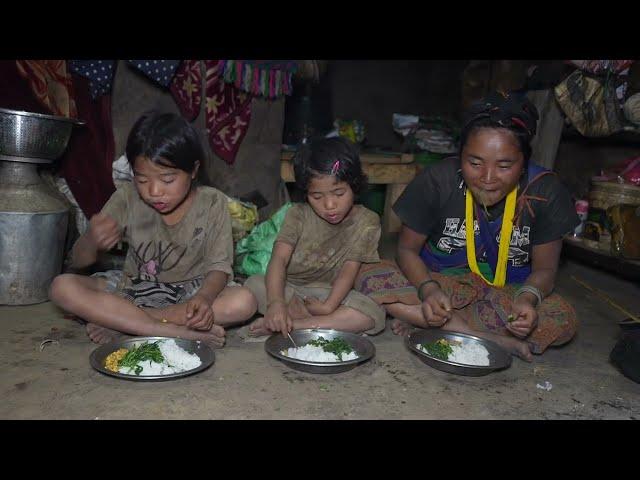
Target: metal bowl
x=34 y=137
x=361 y=345
x=100 y=354
x=499 y=358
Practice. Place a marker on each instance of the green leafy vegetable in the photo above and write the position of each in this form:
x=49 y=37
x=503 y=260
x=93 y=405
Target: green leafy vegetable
x=337 y=346
x=439 y=349
x=141 y=353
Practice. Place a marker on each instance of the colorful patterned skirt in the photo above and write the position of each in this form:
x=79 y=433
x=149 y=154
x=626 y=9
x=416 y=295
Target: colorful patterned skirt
x=483 y=307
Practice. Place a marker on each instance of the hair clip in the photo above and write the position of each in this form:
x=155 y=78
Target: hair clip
x=519 y=122
x=335 y=167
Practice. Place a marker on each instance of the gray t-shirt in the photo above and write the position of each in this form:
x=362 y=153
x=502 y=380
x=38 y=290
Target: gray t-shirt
x=320 y=248
x=198 y=244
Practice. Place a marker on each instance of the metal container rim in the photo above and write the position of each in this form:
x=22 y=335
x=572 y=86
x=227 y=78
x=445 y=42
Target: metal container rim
x=41 y=115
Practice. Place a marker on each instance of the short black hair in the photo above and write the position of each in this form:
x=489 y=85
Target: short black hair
x=166 y=139
x=329 y=156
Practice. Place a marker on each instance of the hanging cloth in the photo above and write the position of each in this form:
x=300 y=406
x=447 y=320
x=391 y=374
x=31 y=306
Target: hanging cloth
x=51 y=85
x=160 y=71
x=267 y=78
x=186 y=88
x=228 y=113
x=100 y=74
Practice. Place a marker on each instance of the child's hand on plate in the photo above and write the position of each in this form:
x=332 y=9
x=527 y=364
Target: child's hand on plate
x=277 y=318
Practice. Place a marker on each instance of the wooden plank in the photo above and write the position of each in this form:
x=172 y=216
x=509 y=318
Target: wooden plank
x=384 y=158
x=386 y=174
x=376 y=173
x=286 y=171
x=391 y=223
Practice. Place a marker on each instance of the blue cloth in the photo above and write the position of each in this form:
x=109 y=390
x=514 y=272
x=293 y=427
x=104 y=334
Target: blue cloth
x=160 y=71
x=99 y=73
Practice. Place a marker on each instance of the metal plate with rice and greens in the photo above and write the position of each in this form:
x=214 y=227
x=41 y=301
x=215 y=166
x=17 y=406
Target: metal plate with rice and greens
x=147 y=349
x=434 y=347
x=344 y=344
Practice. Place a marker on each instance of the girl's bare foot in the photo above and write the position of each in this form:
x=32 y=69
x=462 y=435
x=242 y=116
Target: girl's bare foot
x=398 y=327
x=102 y=335
x=514 y=346
x=258 y=328
x=215 y=338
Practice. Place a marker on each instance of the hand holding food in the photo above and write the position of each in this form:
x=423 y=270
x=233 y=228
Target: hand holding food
x=524 y=318
x=104 y=232
x=436 y=306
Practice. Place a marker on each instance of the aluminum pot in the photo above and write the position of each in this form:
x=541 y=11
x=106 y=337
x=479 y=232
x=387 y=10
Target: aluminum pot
x=33 y=228
x=33 y=137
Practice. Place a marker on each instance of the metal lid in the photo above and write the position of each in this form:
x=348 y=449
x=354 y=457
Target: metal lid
x=40 y=115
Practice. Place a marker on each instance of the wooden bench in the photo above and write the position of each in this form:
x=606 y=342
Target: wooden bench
x=393 y=170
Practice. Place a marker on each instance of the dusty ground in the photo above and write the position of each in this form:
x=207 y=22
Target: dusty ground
x=245 y=383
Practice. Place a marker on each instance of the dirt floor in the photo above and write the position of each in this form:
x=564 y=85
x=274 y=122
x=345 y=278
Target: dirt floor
x=57 y=382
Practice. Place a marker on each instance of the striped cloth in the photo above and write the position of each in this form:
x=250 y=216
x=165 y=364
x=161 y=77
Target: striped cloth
x=147 y=294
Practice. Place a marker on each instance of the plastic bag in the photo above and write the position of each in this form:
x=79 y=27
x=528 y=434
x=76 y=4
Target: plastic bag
x=244 y=216
x=352 y=130
x=431 y=134
x=591 y=104
x=254 y=251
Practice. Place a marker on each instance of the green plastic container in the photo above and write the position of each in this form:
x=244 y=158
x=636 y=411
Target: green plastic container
x=373 y=198
x=428 y=158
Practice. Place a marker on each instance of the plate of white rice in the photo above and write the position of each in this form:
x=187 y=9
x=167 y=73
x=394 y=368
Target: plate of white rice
x=466 y=354
x=470 y=353
x=178 y=358
x=309 y=356
x=313 y=353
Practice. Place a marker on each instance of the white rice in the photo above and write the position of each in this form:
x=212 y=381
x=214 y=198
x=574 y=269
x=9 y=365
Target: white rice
x=176 y=360
x=472 y=353
x=312 y=353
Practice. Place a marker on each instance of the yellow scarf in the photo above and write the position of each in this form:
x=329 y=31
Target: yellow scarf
x=505 y=238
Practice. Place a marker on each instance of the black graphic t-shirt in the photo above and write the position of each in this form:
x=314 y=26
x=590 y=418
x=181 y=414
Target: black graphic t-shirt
x=433 y=204
x=198 y=244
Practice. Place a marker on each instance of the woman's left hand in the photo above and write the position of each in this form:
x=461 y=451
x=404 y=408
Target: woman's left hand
x=525 y=318
x=316 y=307
x=199 y=313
